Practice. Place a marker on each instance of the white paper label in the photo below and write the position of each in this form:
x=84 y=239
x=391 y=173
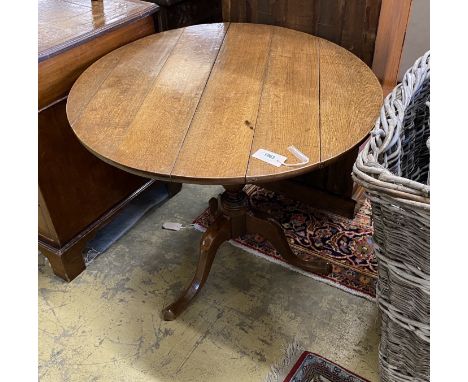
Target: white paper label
x=172 y=226
x=270 y=157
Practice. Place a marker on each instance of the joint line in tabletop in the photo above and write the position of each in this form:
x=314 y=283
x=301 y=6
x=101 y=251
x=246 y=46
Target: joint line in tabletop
x=113 y=69
x=199 y=100
x=153 y=82
x=320 y=101
x=265 y=71
x=83 y=108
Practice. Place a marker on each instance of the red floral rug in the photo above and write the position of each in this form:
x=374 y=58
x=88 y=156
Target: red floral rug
x=311 y=367
x=345 y=243
x=299 y=365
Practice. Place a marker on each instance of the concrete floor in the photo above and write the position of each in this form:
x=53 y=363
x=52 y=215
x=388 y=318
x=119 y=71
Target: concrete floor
x=106 y=325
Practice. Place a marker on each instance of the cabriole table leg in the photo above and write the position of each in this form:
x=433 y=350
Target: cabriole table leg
x=272 y=231
x=213 y=237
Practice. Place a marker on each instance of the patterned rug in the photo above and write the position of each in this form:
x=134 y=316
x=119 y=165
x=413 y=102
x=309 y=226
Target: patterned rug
x=311 y=367
x=345 y=243
x=299 y=365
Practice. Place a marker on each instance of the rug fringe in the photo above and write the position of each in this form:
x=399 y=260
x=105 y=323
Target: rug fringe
x=281 y=368
x=292 y=267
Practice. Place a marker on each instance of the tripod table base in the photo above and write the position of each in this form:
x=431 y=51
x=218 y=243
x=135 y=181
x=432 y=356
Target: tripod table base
x=234 y=218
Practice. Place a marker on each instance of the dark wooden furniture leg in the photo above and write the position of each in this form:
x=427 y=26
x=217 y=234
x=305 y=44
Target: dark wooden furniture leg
x=232 y=219
x=67 y=262
x=214 y=236
x=272 y=231
x=67 y=259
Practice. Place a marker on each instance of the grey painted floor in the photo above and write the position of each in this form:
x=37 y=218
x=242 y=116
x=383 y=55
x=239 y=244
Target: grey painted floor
x=106 y=325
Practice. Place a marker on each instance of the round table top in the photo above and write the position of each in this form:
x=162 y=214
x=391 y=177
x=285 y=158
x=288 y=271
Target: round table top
x=193 y=104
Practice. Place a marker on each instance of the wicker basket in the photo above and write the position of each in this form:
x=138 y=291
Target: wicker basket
x=393 y=167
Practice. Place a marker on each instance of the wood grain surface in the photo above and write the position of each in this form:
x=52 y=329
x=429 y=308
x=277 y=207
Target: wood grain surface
x=350 y=98
x=389 y=42
x=120 y=91
x=217 y=146
x=351 y=24
x=64 y=24
x=179 y=86
x=193 y=104
x=57 y=74
x=289 y=111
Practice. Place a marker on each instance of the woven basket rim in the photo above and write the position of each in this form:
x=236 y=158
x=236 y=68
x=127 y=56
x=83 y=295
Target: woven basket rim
x=372 y=173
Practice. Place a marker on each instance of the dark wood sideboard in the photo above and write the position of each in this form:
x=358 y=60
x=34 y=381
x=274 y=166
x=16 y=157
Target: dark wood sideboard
x=78 y=193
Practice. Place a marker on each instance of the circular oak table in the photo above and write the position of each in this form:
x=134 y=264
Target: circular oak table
x=192 y=105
